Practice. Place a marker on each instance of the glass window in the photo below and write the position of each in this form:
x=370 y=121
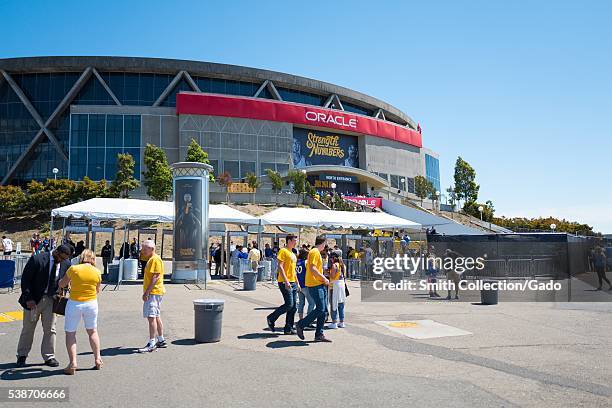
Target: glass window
x=114 y=131
x=215 y=165
x=136 y=155
x=96 y=136
x=78 y=163
x=246 y=167
x=265 y=166
x=394 y=181
x=131 y=130
x=232 y=167
x=282 y=168
x=79 y=135
x=95 y=163
x=111 y=163
x=410 y=184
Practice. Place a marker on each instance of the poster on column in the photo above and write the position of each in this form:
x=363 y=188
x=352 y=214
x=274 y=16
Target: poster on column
x=188 y=220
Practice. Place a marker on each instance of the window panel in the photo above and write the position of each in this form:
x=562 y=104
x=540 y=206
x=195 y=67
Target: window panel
x=246 y=167
x=96 y=136
x=114 y=131
x=131 y=130
x=232 y=167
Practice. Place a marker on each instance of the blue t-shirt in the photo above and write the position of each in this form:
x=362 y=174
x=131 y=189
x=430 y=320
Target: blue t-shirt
x=300 y=271
x=243 y=255
x=268 y=252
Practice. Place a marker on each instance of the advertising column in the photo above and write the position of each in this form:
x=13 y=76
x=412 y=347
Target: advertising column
x=189 y=253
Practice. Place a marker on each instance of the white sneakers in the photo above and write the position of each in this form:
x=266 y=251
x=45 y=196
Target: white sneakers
x=341 y=325
x=336 y=325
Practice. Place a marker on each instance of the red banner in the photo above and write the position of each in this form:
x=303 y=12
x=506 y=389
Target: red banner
x=372 y=202
x=192 y=103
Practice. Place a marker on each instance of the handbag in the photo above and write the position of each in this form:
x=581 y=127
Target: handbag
x=346 y=289
x=59 y=302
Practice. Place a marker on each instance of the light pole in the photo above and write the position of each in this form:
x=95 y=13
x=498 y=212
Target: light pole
x=333 y=186
x=437 y=194
x=553 y=227
x=481 y=209
x=55 y=171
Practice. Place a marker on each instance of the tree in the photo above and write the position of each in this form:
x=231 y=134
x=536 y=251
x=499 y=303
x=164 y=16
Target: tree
x=195 y=153
x=158 y=176
x=466 y=188
x=253 y=182
x=422 y=188
x=12 y=200
x=225 y=180
x=452 y=197
x=275 y=179
x=488 y=211
x=298 y=180
x=124 y=181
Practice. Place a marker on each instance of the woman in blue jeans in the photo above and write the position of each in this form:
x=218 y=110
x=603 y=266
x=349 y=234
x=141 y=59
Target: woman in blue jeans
x=303 y=294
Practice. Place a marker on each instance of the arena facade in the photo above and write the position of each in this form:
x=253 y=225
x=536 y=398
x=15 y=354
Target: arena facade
x=76 y=114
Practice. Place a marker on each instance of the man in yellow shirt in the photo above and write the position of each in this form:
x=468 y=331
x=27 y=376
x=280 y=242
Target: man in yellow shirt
x=288 y=285
x=317 y=288
x=153 y=292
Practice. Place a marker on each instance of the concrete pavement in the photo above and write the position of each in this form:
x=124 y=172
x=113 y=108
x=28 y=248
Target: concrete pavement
x=519 y=354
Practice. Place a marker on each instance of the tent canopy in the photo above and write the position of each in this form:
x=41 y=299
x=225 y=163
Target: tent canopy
x=336 y=219
x=145 y=210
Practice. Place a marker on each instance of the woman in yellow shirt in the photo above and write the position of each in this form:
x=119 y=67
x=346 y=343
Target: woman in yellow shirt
x=84 y=280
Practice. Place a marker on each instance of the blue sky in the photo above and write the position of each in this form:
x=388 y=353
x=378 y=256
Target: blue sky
x=522 y=90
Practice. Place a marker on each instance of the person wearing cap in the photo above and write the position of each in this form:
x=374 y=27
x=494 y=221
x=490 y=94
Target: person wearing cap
x=153 y=292
x=39 y=283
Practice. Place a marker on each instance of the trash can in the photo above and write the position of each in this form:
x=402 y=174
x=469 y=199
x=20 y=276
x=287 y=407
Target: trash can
x=113 y=273
x=249 y=278
x=489 y=296
x=397 y=276
x=130 y=269
x=260 y=273
x=208 y=319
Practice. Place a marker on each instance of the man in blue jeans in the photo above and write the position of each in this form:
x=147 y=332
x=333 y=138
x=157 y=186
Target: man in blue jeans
x=288 y=285
x=317 y=285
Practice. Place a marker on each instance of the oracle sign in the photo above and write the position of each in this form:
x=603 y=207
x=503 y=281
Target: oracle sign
x=327 y=118
x=193 y=103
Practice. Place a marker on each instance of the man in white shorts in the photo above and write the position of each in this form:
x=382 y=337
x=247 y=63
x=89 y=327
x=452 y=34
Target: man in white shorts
x=153 y=292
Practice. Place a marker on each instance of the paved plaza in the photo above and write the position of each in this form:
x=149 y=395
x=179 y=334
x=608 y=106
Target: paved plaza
x=511 y=354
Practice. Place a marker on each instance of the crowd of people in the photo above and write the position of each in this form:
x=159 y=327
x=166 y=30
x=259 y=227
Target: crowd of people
x=316 y=275
x=47 y=274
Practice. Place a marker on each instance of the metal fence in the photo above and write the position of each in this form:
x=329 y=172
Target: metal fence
x=20 y=262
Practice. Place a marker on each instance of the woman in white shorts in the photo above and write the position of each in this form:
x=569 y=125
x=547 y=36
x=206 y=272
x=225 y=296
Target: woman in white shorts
x=84 y=280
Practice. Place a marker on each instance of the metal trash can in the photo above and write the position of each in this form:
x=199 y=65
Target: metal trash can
x=489 y=296
x=208 y=319
x=397 y=276
x=260 y=273
x=249 y=278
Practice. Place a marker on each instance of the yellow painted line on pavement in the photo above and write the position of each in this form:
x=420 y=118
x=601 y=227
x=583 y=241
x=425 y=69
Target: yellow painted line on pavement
x=11 y=316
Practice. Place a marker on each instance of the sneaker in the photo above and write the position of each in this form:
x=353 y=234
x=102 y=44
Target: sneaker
x=21 y=361
x=341 y=325
x=332 y=326
x=290 y=331
x=322 y=339
x=148 y=348
x=270 y=324
x=299 y=331
x=52 y=362
x=456 y=297
x=161 y=344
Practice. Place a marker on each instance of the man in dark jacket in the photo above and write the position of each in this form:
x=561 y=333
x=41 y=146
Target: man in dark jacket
x=107 y=255
x=38 y=285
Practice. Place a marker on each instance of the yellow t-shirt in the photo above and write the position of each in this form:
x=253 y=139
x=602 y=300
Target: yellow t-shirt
x=84 y=280
x=155 y=265
x=314 y=260
x=288 y=260
x=337 y=275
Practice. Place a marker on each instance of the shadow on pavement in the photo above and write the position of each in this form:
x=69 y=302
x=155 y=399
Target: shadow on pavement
x=113 y=351
x=185 y=342
x=28 y=373
x=264 y=308
x=252 y=336
x=286 y=343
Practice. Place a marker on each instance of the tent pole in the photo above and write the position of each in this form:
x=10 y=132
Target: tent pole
x=121 y=258
x=63 y=228
x=51 y=240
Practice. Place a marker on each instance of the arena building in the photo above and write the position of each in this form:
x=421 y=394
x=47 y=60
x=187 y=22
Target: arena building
x=75 y=114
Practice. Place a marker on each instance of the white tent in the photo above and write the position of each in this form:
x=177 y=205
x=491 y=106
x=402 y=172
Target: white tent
x=336 y=219
x=145 y=210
